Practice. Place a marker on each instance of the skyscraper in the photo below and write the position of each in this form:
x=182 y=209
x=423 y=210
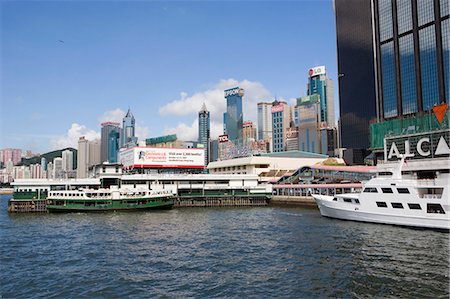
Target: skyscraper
x=204 y=130
x=82 y=158
x=412 y=56
x=248 y=131
x=281 y=120
x=356 y=77
x=412 y=50
x=113 y=146
x=128 y=130
x=233 y=118
x=265 y=121
x=10 y=154
x=319 y=83
x=107 y=129
x=58 y=172
x=308 y=111
x=67 y=161
x=94 y=152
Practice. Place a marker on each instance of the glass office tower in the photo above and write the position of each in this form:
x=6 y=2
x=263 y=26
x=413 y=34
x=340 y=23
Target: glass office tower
x=412 y=50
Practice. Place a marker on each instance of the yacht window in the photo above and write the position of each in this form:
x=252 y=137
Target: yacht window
x=335 y=199
x=370 y=190
x=381 y=204
x=397 y=205
x=435 y=208
x=414 y=206
x=347 y=199
x=356 y=200
x=386 y=190
x=403 y=190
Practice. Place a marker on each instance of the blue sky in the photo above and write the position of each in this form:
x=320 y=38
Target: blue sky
x=161 y=59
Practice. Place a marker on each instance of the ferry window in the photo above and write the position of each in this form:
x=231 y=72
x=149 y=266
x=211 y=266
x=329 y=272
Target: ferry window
x=403 y=190
x=414 y=206
x=386 y=190
x=397 y=205
x=347 y=199
x=435 y=208
x=381 y=204
x=370 y=190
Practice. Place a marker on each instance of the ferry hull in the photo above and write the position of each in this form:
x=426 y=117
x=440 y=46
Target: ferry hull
x=331 y=209
x=110 y=207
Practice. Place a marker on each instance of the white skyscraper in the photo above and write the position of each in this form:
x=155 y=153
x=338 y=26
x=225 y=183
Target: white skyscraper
x=265 y=122
x=67 y=160
x=82 y=158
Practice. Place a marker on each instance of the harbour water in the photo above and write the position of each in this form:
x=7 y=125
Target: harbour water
x=216 y=252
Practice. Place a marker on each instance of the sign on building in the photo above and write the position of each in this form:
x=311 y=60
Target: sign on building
x=162 y=157
x=418 y=146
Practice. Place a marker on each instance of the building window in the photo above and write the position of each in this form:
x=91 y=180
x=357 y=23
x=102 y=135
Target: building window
x=381 y=204
x=386 y=190
x=403 y=190
x=435 y=208
x=389 y=80
x=385 y=19
x=446 y=50
x=414 y=206
x=425 y=11
x=404 y=16
x=445 y=9
x=408 y=74
x=427 y=45
x=397 y=205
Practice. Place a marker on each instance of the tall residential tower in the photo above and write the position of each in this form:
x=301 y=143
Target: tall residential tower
x=204 y=130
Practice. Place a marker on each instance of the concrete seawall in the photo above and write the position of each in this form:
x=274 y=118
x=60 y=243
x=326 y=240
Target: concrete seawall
x=307 y=201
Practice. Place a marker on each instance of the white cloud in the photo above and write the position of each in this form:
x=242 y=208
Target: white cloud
x=215 y=102
x=70 y=139
x=142 y=132
x=115 y=115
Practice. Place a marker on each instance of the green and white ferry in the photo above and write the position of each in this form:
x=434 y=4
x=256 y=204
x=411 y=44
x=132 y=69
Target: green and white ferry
x=112 y=199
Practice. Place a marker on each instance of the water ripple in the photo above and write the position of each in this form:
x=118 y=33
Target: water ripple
x=226 y=252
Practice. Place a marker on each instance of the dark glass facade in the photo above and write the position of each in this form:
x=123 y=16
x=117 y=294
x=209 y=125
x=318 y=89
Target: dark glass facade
x=356 y=71
x=411 y=44
x=233 y=118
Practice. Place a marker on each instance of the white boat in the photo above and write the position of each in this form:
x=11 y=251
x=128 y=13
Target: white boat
x=417 y=196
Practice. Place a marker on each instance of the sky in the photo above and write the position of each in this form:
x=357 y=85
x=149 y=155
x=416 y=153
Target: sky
x=68 y=66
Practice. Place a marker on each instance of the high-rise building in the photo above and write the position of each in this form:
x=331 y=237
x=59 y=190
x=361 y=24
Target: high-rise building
x=233 y=118
x=10 y=154
x=67 y=161
x=128 y=137
x=113 y=146
x=412 y=51
x=265 y=121
x=281 y=120
x=94 y=152
x=356 y=76
x=107 y=128
x=82 y=158
x=204 y=130
x=57 y=168
x=308 y=111
x=319 y=83
x=248 y=131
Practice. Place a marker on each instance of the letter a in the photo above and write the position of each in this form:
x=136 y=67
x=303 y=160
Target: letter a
x=393 y=151
x=442 y=147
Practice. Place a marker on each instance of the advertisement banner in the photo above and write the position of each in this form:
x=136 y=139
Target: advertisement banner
x=163 y=157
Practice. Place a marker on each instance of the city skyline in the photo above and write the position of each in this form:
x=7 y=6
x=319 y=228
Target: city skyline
x=78 y=85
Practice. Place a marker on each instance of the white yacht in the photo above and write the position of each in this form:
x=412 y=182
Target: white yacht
x=415 y=194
